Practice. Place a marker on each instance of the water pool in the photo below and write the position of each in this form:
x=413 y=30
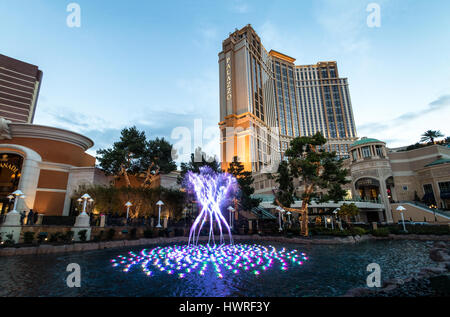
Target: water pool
x=329 y=271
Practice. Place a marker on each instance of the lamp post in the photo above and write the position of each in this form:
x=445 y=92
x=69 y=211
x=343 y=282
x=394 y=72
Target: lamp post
x=335 y=212
x=280 y=210
x=332 y=223
x=401 y=209
x=128 y=205
x=289 y=217
x=85 y=199
x=16 y=195
x=159 y=204
x=230 y=213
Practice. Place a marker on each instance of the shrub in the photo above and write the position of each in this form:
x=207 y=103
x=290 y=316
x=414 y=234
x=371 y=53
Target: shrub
x=28 y=237
x=9 y=240
x=42 y=236
x=67 y=238
x=380 y=232
x=149 y=233
x=179 y=232
x=358 y=231
x=162 y=233
x=133 y=233
x=111 y=233
x=99 y=236
x=83 y=235
x=437 y=230
x=54 y=237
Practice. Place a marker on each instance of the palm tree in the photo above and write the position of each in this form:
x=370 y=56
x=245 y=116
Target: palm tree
x=430 y=135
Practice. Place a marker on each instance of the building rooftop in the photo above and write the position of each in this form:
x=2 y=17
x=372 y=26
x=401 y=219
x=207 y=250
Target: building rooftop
x=438 y=162
x=366 y=140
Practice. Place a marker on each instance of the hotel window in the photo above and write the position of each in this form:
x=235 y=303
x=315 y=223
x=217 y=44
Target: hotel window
x=444 y=187
x=366 y=152
x=428 y=189
x=379 y=151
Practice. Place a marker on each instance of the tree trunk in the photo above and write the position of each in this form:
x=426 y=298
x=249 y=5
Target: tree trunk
x=125 y=175
x=304 y=223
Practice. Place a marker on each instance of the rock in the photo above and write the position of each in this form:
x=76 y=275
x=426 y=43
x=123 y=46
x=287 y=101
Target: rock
x=357 y=292
x=440 y=245
x=438 y=255
x=389 y=287
x=433 y=270
x=447 y=265
x=394 y=281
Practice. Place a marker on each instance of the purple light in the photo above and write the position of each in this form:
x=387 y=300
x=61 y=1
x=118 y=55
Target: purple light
x=220 y=260
x=211 y=189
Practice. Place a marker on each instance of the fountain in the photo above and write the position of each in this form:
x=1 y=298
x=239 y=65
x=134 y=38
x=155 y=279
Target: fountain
x=212 y=190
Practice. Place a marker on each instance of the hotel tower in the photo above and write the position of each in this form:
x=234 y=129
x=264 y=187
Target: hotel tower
x=19 y=89
x=266 y=101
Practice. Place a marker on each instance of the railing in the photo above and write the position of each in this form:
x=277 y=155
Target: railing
x=269 y=198
x=420 y=204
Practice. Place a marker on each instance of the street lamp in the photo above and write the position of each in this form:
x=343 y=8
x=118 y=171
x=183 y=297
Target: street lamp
x=159 y=204
x=128 y=205
x=85 y=199
x=401 y=209
x=289 y=217
x=335 y=212
x=230 y=213
x=280 y=210
x=16 y=195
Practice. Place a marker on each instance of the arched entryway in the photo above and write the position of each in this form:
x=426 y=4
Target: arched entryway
x=26 y=177
x=368 y=188
x=10 y=173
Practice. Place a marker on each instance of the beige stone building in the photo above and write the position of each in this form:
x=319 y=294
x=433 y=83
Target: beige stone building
x=419 y=178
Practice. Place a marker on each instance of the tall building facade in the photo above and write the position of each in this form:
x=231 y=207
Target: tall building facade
x=266 y=101
x=19 y=89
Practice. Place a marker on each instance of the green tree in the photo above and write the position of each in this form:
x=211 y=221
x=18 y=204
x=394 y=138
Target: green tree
x=133 y=154
x=198 y=159
x=346 y=211
x=245 y=182
x=286 y=192
x=314 y=169
x=430 y=135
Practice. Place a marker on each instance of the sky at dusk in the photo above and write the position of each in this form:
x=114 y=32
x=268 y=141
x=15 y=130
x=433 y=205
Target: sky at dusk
x=154 y=64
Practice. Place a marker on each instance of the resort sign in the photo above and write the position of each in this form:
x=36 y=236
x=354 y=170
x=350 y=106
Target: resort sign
x=228 y=76
x=9 y=166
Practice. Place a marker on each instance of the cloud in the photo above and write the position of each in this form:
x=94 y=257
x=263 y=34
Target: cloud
x=344 y=23
x=199 y=102
x=406 y=118
x=240 y=7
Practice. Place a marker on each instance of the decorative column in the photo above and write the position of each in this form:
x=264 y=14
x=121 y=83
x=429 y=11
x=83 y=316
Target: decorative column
x=385 y=200
x=82 y=222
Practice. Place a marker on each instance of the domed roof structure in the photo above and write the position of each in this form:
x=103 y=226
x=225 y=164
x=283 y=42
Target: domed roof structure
x=365 y=140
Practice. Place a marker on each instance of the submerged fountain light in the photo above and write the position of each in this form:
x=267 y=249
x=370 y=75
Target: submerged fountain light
x=211 y=189
x=222 y=260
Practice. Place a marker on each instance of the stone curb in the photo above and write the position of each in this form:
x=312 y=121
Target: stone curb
x=77 y=247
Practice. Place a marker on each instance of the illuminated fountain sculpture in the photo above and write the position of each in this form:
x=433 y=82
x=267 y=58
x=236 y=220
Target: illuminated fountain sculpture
x=211 y=189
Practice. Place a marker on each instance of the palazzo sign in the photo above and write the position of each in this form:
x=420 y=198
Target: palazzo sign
x=228 y=74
